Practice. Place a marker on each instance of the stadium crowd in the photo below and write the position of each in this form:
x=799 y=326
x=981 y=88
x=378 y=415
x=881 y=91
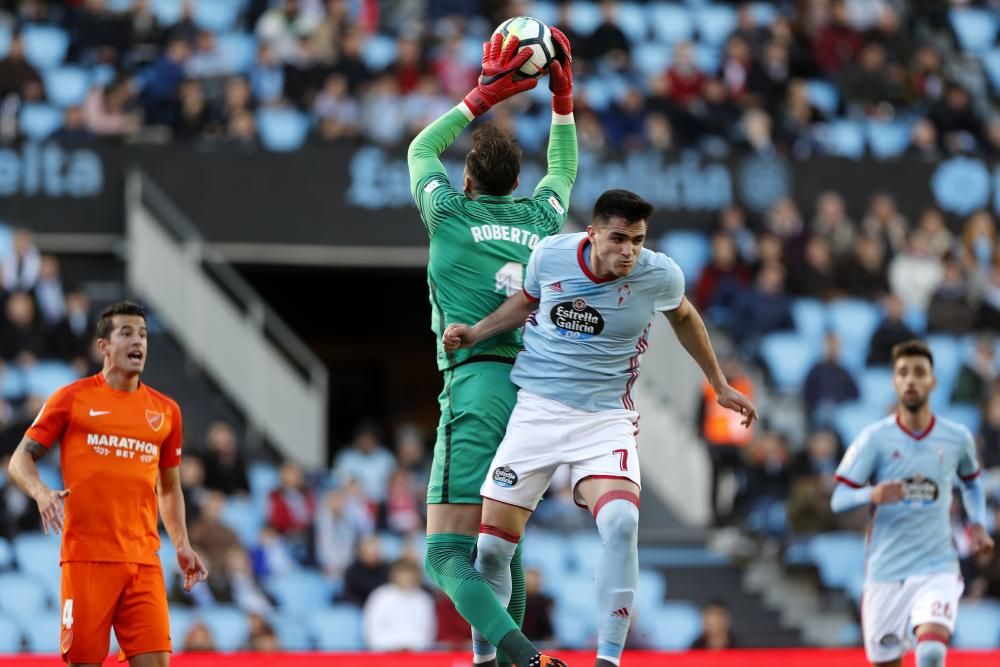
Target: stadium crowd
x=762 y=77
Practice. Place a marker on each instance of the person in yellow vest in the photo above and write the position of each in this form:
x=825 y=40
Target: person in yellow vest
x=725 y=436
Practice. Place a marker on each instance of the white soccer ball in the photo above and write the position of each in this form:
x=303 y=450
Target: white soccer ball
x=532 y=33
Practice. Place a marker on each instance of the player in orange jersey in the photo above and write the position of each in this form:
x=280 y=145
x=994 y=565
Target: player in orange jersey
x=121 y=447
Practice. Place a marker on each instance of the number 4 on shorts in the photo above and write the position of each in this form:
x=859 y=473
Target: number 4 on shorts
x=67 y=615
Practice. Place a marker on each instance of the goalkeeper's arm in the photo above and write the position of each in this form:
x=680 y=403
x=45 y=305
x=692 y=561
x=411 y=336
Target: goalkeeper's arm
x=562 y=153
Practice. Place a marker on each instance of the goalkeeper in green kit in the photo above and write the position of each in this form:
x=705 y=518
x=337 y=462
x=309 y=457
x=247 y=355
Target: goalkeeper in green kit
x=480 y=241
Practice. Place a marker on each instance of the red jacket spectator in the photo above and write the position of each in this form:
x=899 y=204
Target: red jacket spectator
x=291 y=506
x=836 y=43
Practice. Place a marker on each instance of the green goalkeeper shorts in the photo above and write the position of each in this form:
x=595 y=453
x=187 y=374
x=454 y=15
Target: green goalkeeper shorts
x=476 y=403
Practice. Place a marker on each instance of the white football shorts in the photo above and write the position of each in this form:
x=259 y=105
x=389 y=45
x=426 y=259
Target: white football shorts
x=891 y=609
x=542 y=434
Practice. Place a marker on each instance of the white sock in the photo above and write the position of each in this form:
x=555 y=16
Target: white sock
x=494 y=551
x=617 y=574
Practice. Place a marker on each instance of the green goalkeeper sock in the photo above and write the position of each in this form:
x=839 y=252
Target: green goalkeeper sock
x=448 y=562
x=517 y=596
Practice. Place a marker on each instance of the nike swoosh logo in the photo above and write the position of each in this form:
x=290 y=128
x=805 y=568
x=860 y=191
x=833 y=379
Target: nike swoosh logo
x=98 y=413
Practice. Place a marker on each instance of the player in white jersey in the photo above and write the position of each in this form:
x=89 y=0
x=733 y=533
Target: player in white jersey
x=592 y=298
x=904 y=467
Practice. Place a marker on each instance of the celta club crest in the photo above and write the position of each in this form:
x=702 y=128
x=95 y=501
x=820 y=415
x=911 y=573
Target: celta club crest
x=154 y=419
x=579 y=304
x=623 y=292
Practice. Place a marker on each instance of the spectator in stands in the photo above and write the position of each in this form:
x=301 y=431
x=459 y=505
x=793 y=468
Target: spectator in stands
x=763 y=308
x=145 y=34
x=864 y=273
x=367 y=461
x=785 y=221
x=940 y=239
x=162 y=82
x=426 y=103
x=72 y=336
x=827 y=385
x=402 y=508
x=978 y=373
x=958 y=126
x=733 y=221
x=409 y=66
x=193 y=479
x=340 y=522
x=366 y=573
x=22 y=340
x=18 y=77
x=241 y=132
x=951 y=309
x=767 y=483
x=870 y=85
x=884 y=221
x=684 y=79
x=291 y=509
x=812 y=473
x=244 y=590
x=304 y=75
x=23 y=266
x=281 y=28
x=73 y=132
x=757 y=131
x=836 y=43
x=832 y=222
x=987 y=581
x=989 y=431
x=262 y=638
x=889 y=333
x=411 y=455
x=722 y=281
x=14 y=421
x=725 y=437
x=979 y=242
x=737 y=60
x=717 y=114
x=770 y=252
x=625 y=121
x=989 y=309
x=769 y=76
x=206 y=61
x=101 y=36
x=194 y=117
x=378 y=126
x=452 y=630
x=267 y=77
x=271 y=556
x=538 y=607
x=923 y=142
x=210 y=535
x=185 y=29
x=816 y=275
x=106 y=110
x=18 y=514
x=48 y=292
x=225 y=469
x=399 y=615
x=608 y=42
x=237 y=98
x=796 y=120
x=199 y=639
x=331 y=29
x=914 y=274
x=926 y=79
x=352 y=66
x=716 y=628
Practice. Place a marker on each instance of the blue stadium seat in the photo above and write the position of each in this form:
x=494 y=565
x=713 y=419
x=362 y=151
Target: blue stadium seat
x=575 y=590
x=545 y=12
x=651 y=58
x=50 y=475
x=789 y=358
x=546 y=552
x=875 y=385
x=240 y=515
x=651 y=590
x=167 y=12
x=715 y=23
x=851 y=418
x=977 y=625
x=67 y=86
x=584 y=17
x=671 y=23
x=42 y=632
x=46 y=376
x=691 y=251
x=854 y=321
x=708 y=57
x=823 y=95
x=584 y=551
x=301 y=590
x=947 y=353
x=672 y=627
x=888 y=138
x=575 y=626
x=37 y=121
x=379 y=51
x=216 y=15
x=120 y=5
x=969 y=416
x=6 y=36
x=840 y=557
x=337 y=628
x=45 y=46
x=293 y=631
x=916 y=319
x=630 y=17
x=238 y=50
x=810 y=317
x=229 y=626
x=991 y=63
x=12 y=383
x=845 y=138
x=472 y=54
x=282 y=130
x=975 y=28
x=392 y=546
x=763 y=13
x=181 y=619
x=6 y=553
x=37 y=553
x=10 y=635
x=21 y=594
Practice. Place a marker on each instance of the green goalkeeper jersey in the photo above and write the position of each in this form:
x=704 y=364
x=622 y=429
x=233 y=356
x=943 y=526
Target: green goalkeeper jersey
x=480 y=246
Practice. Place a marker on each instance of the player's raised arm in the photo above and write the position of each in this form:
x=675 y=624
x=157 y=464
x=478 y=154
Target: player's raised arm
x=562 y=151
x=24 y=471
x=428 y=178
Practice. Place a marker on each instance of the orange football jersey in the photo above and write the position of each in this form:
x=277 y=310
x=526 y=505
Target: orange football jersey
x=113 y=445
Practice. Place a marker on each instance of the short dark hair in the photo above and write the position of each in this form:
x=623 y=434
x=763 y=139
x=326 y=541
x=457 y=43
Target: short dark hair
x=912 y=348
x=106 y=324
x=494 y=162
x=622 y=204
